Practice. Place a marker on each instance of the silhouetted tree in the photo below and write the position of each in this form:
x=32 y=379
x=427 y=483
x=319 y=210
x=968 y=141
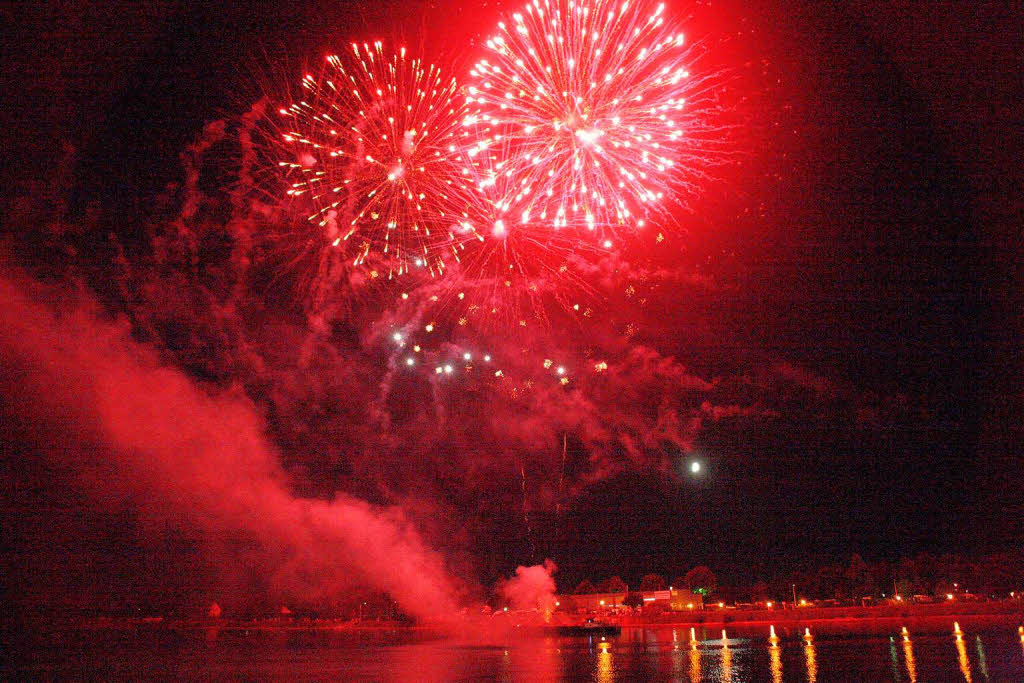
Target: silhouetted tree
x=881 y=576
x=633 y=599
x=957 y=570
x=858 y=577
x=906 y=576
x=925 y=574
x=652 y=582
x=830 y=582
x=996 y=574
x=701 y=580
x=613 y=585
x=585 y=588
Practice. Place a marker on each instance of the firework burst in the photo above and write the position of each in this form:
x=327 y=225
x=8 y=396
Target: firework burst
x=581 y=115
x=372 y=157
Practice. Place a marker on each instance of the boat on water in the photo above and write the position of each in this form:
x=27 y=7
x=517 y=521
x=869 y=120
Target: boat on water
x=590 y=627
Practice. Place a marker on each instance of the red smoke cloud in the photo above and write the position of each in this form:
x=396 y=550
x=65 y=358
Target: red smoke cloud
x=132 y=429
x=531 y=588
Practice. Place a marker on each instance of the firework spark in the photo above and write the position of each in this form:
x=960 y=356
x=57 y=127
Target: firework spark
x=580 y=115
x=372 y=149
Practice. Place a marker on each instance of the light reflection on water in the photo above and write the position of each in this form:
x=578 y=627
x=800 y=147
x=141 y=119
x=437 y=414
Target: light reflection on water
x=637 y=654
x=605 y=668
x=812 y=663
x=962 y=660
x=726 y=664
x=694 y=665
x=908 y=656
x=982 y=666
x=776 y=663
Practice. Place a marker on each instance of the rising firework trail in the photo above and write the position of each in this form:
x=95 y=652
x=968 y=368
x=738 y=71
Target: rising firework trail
x=370 y=154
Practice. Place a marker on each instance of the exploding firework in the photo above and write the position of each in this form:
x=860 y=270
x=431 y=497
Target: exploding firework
x=581 y=116
x=372 y=157
x=515 y=272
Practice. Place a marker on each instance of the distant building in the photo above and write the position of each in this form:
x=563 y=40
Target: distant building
x=683 y=599
x=677 y=600
x=590 y=602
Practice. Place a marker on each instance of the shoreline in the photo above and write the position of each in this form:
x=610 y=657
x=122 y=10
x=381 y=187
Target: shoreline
x=1003 y=610
x=876 y=619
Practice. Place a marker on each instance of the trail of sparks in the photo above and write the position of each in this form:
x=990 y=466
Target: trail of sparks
x=372 y=149
x=578 y=115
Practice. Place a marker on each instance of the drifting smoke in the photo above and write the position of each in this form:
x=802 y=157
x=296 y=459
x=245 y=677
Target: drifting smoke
x=532 y=588
x=128 y=428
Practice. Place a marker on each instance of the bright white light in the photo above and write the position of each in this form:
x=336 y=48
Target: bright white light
x=560 y=370
x=587 y=136
x=487 y=359
x=397 y=336
x=448 y=369
x=695 y=467
x=467 y=356
x=409 y=361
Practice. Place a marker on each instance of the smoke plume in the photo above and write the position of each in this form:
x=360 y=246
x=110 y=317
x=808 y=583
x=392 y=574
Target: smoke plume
x=129 y=430
x=532 y=588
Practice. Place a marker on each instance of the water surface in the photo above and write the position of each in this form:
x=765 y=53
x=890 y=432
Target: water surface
x=656 y=654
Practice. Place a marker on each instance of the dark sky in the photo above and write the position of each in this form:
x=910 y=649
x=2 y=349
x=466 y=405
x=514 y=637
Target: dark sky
x=858 y=346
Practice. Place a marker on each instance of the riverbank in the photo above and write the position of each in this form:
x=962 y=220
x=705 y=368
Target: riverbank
x=876 y=619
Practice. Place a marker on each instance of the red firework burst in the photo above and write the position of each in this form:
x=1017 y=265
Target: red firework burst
x=581 y=115
x=373 y=150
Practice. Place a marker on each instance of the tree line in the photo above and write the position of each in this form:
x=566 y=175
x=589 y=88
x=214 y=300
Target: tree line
x=698 y=580
x=994 y=575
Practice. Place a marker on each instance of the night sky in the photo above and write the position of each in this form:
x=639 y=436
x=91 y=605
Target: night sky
x=832 y=326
